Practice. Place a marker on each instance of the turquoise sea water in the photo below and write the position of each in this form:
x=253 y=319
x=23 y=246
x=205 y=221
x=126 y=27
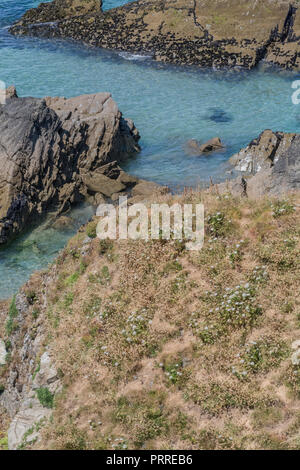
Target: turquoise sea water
x=168 y=104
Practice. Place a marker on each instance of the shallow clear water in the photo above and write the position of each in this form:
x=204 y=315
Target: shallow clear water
x=168 y=104
x=35 y=249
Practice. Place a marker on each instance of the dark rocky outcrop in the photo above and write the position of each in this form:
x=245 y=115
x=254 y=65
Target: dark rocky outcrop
x=208 y=33
x=195 y=147
x=51 y=150
x=263 y=152
x=271 y=163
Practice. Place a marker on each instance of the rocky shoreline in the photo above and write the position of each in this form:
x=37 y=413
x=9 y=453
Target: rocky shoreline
x=63 y=151
x=189 y=32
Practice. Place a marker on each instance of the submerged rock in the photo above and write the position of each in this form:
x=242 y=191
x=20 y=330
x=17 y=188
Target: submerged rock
x=208 y=33
x=196 y=148
x=51 y=150
x=295 y=358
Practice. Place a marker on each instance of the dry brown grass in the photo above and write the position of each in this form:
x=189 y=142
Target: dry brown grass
x=194 y=375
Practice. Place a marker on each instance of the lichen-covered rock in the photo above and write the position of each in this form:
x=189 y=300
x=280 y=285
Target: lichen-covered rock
x=48 y=147
x=208 y=33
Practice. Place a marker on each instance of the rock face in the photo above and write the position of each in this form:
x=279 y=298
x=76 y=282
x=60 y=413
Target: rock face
x=295 y=358
x=273 y=159
x=50 y=147
x=200 y=32
x=30 y=416
x=31 y=368
x=61 y=9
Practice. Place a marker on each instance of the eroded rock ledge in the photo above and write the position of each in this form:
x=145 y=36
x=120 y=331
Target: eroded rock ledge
x=207 y=33
x=52 y=150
